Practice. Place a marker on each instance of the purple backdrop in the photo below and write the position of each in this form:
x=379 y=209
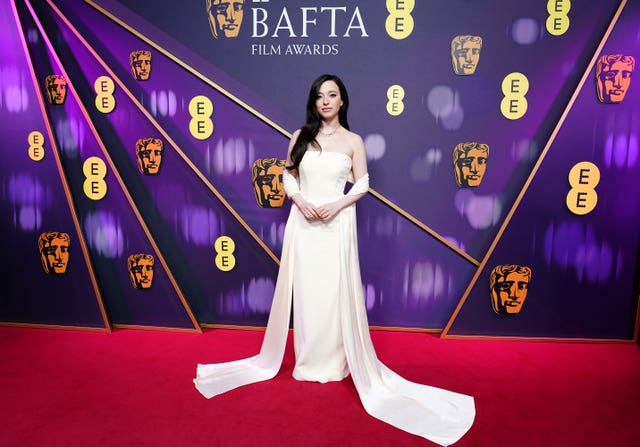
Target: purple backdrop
x=585 y=268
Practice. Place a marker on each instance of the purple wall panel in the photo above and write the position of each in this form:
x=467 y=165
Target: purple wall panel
x=584 y=267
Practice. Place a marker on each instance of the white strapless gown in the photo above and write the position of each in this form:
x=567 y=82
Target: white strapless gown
x=319 y=269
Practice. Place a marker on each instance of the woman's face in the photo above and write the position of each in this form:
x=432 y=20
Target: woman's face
x=328 y=102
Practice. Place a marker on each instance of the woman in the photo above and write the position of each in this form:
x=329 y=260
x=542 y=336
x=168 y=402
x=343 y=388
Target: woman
x=319 y=269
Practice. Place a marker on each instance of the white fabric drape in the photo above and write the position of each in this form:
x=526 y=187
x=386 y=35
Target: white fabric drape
x=435 y=414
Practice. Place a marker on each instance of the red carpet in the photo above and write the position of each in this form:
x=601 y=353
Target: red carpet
x=134 y=388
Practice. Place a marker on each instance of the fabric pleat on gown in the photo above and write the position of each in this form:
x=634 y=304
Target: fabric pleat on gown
x=320 y=272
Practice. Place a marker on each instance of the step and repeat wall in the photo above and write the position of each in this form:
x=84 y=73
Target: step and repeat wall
x=142 y=148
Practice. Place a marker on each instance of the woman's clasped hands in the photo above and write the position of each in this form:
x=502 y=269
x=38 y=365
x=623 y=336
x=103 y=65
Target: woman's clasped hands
x=312 y=213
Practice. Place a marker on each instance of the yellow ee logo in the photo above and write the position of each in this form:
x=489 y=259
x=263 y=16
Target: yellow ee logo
x=514 y=88
x=395 y=95
x=582 y=197
x=399 y=23
x=104 y=88
x=558 y=20
x=225 y=247
x=95 y=170
x=200 y=109
x=36 y=142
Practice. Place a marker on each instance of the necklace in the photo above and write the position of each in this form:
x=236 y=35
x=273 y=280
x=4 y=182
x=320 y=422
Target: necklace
x=328 y=134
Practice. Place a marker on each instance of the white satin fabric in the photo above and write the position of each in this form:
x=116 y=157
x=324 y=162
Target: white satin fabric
x=319 y=269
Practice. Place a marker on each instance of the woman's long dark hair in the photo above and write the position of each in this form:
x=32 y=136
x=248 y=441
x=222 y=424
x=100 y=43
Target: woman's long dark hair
x=310 y=130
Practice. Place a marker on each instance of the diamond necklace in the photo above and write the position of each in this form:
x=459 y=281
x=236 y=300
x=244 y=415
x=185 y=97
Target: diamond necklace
x=328 y=134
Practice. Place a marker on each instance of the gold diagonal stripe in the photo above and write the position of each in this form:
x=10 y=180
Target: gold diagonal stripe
x=535 y=169
x=187 y=67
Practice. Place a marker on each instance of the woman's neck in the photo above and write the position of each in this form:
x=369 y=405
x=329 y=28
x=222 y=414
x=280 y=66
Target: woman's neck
x=329 y=126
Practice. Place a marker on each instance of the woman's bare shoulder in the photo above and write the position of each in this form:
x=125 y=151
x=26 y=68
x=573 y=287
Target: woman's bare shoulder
x=353 y=137
x=354 y=141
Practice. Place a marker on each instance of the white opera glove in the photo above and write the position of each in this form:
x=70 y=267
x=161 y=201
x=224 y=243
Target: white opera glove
x=361 y=186
x=290 y=184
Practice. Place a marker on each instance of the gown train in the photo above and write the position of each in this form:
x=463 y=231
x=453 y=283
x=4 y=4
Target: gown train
x=438 y=415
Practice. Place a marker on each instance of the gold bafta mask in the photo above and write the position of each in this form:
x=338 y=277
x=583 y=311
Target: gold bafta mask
x=149 y=154
x=266 y=175
x=141 y=268
x=508 y=286
x=140 y=62
x=54 y=252
x=56 y=89
x=613 y=77
x=225 y=17
x=465 y=54
x=470 y=163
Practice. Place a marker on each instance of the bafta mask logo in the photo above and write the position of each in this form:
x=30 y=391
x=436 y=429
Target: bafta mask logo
x=613 y=77
x=54 y=252
x=56 y=89
x=141 y=270
x=149 y=154
x=465 y=54
x=470 y=163
x=225 y=17
x=140 y=62
x=266 y=175
x=509 y=285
